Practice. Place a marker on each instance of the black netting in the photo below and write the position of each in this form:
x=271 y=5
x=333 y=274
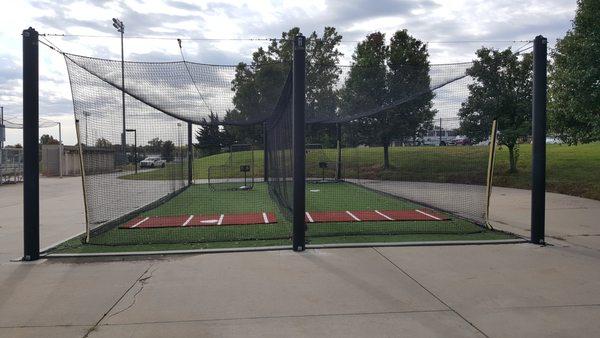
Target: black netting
x=385 y=152
x=280 y=152
x=192 y=92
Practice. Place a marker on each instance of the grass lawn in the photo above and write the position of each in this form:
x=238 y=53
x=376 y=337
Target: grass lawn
x=571 y=170
x=199 y=199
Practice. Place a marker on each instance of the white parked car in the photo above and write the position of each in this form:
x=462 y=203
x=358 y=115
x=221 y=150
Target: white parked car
x=153 y=162
x=460 y=140
x=553 y=140
x=432 y=138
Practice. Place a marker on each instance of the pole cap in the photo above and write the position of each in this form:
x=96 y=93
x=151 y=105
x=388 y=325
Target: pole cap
x=300 y=41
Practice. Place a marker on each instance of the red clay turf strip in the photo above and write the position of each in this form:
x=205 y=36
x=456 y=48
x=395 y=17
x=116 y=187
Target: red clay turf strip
x=413 y=215
x=373 y=216
x=368 y=215
x=266 y=218
x=253 y=218
x=328 y=216
x=200 y=220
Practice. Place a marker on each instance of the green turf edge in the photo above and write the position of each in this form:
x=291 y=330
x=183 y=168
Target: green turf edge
x=75 y=246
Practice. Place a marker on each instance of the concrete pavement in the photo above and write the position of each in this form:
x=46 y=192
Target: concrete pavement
x=61 y=214
x=570 y=220
x=517 y=290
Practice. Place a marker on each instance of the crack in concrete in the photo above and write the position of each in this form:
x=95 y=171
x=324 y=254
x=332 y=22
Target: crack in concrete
x=276 y=317
x=142 y=283
x=95 y=326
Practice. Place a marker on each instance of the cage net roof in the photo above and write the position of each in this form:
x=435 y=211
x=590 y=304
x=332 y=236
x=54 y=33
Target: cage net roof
x=15 y=123
x=242 y=94
x=193 y=92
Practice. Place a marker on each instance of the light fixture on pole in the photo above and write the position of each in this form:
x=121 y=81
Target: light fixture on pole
x=60 y=151
x=2 y=128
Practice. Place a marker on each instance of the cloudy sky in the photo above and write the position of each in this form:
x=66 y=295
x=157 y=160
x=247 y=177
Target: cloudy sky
x=442 y=23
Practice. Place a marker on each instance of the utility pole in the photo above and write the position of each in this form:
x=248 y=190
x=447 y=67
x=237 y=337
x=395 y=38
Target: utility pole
x=2 y=131
x=118 y=24
x=60 y=150
x=135 y=156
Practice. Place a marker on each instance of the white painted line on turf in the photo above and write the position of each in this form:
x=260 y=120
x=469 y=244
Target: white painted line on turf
x=384 y=215
x=187 y=220
x=428 y=215
x=310 y=219
x=265 y=218
x=352 y=215
x=220 y=219
x=140 y=222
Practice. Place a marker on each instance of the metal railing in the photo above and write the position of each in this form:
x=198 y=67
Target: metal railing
x=11 y=165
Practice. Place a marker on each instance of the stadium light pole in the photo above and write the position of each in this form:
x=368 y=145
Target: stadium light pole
x=298 y=143
x=118 y=24
x=135 y=157
x=190 y=154
x=179 y=138
x=538 y=163
x=86 y=114
x=31 y=164
x=60 y=150
x=2 y=130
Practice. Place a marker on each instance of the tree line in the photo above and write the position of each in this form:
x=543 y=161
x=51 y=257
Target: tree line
x=382 y=73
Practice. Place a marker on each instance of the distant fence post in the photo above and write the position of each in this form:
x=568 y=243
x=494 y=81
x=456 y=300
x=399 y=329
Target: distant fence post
x=31 y=170
x=265 y=153
x=338 y=136
x=298 y=124
x=538 y=167
x=190 y=153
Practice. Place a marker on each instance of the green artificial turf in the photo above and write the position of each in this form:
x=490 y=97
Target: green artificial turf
x=200 y=199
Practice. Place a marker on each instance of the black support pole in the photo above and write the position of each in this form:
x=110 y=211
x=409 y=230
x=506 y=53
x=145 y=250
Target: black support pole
x=538 y=167
x=265 y=154
x=338 y=135
x=135 y=157
x=123 y=139
x=299 y=99
x=190 y=153
x=31 y=206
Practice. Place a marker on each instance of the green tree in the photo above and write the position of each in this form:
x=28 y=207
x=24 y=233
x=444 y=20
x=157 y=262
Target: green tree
x=365 y=88
x=48 y=139
x=574 y=91
x=258 y=85
x=155 y=145
x=103 y=143
x=408 y=82
x=168 y=151
x=210 y=137
x=396 y=76
x=322 y=76
x=501 y=90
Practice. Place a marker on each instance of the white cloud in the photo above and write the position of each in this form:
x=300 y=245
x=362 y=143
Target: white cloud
x=433 y=20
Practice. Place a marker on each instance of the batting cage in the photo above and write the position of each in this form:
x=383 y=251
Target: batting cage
x=288 y=148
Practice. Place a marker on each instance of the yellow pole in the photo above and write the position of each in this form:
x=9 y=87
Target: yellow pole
x=85 y=205
x=490 y=171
